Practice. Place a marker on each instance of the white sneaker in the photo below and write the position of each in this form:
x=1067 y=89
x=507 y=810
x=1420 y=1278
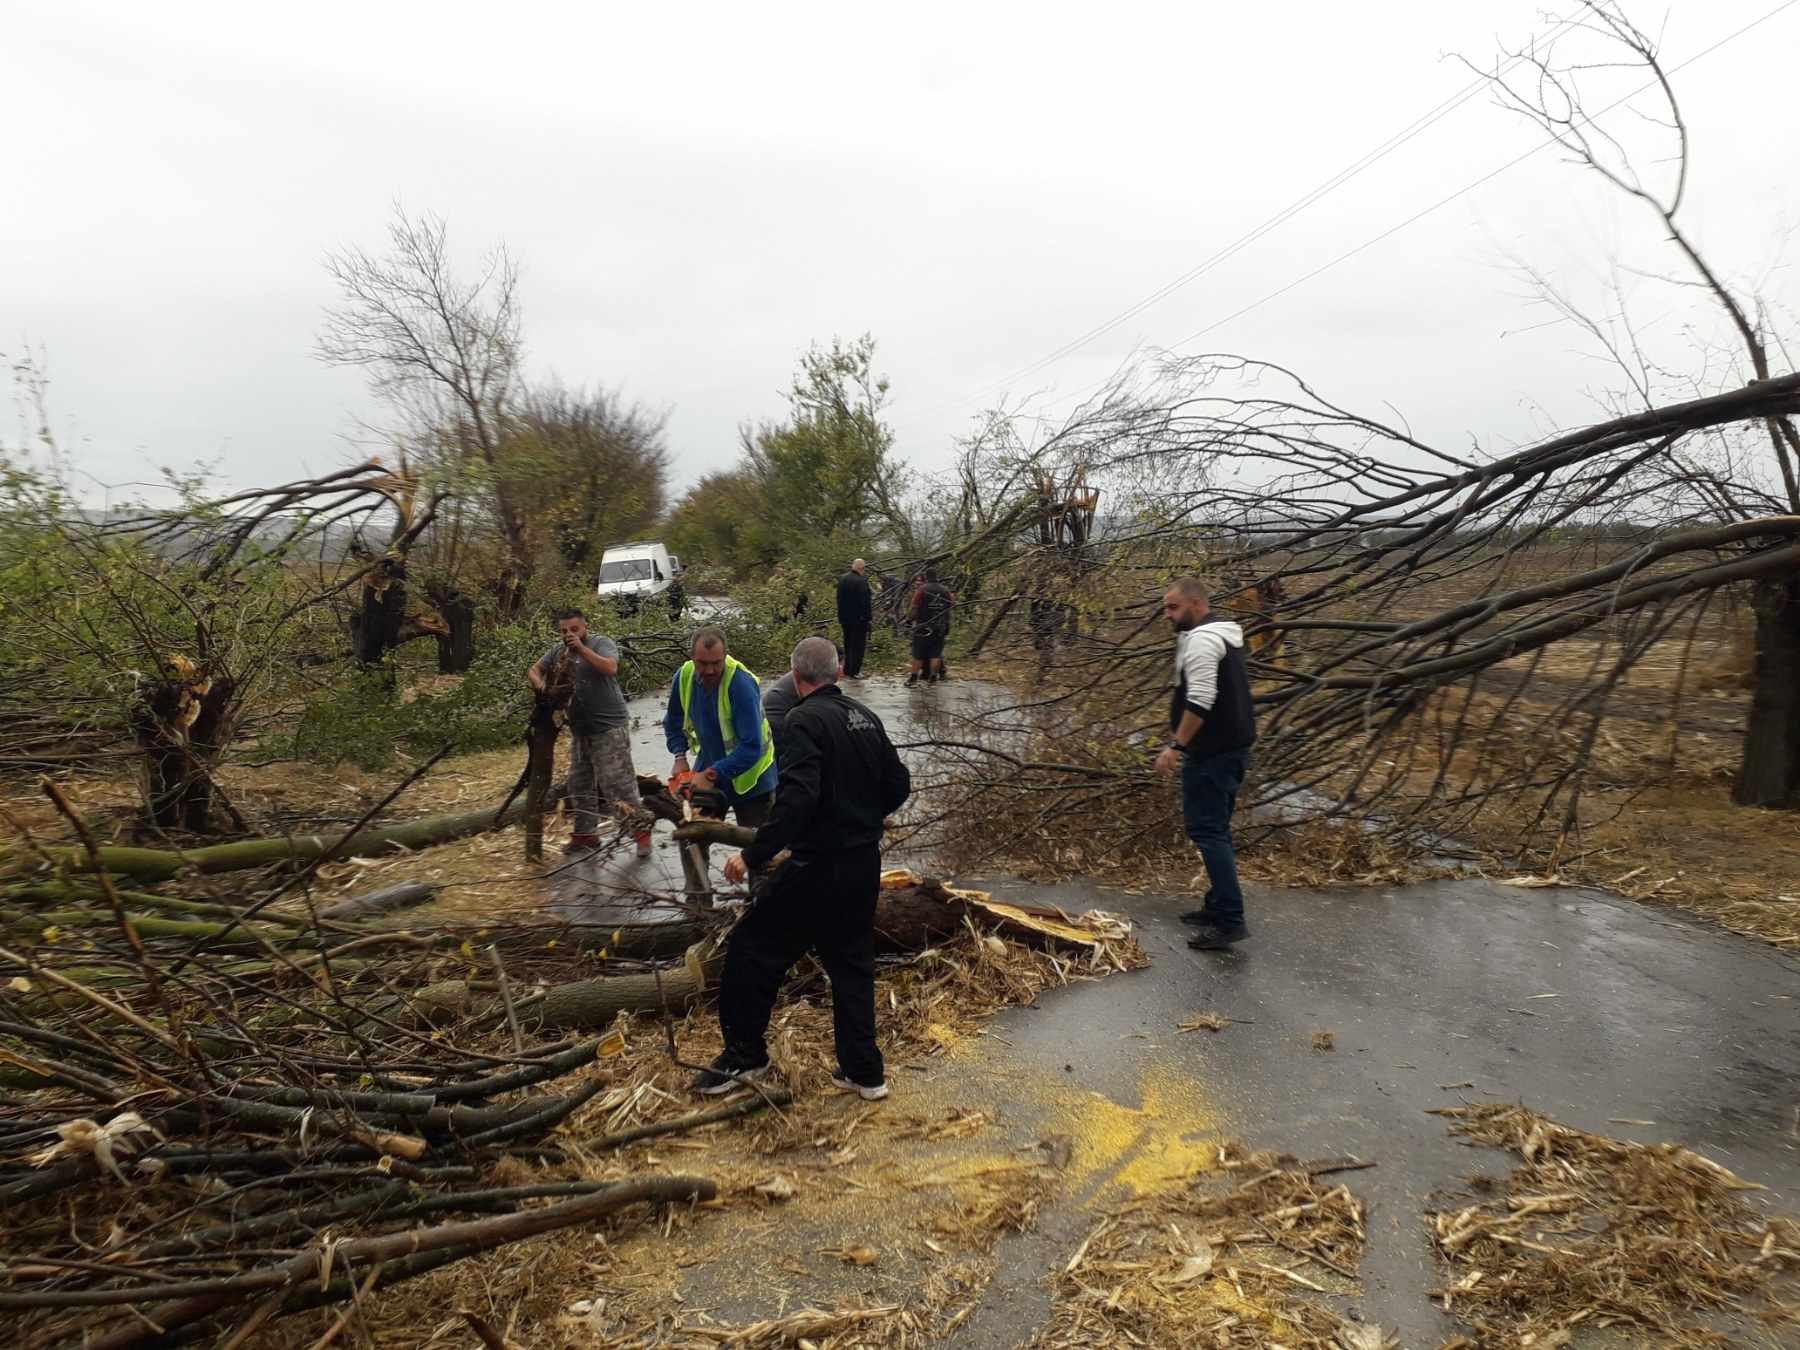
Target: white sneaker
x=868 y=1094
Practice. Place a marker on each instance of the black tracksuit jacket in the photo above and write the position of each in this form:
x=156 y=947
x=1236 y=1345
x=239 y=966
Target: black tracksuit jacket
x=840 y=779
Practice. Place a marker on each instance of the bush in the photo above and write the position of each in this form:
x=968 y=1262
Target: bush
x=364 y=719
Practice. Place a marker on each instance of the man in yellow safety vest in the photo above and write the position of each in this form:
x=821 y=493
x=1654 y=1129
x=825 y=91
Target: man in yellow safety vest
x=715 y=727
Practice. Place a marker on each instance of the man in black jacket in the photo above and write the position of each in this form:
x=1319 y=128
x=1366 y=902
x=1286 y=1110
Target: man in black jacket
x=840 y=779
x=1212 y=725
x=855 y=613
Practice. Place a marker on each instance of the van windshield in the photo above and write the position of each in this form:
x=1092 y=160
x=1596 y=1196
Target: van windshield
x=626 y=569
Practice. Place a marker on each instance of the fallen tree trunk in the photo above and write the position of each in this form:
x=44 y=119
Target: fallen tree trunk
x=641 y=939
x=596 y=1002
x=152 y=864
x=913 y=919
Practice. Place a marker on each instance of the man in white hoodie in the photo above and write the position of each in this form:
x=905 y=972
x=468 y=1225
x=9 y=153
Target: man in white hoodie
x=1212 y=725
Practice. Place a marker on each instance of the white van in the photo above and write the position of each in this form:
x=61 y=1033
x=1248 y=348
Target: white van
x=633 y=573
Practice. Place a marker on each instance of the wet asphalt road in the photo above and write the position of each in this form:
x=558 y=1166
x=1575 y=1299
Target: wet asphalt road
x=1592 y=1010
x=1596 y=1011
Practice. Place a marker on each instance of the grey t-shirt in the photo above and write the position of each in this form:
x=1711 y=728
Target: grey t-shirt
x=597 y=703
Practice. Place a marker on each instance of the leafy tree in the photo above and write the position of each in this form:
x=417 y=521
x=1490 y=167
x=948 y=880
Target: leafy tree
x=721 y=520
x=826 y=473
x=586 y=469
x=830 y=465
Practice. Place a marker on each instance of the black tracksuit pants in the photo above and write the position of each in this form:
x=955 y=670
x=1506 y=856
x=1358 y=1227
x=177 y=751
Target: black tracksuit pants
x=856 y=643
x=825 y=903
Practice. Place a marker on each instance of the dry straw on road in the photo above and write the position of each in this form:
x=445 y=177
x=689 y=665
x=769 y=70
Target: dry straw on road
x=1247 y=1255
x=1591 y=1232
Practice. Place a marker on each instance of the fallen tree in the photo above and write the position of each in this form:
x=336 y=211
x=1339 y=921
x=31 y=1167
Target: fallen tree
x=153 y=864
x=1447 y=643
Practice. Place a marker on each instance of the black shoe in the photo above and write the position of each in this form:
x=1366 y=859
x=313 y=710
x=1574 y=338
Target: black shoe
x=1199 y=918
x=1216 y=937
x=726 y=1073
x=911 y=680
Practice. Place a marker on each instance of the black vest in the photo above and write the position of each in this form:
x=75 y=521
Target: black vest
x=1231 y=724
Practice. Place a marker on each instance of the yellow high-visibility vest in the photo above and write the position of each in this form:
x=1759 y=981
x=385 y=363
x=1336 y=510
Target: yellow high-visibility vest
x=727 y=733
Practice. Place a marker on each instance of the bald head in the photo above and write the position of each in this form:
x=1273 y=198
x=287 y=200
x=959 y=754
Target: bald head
x=858 y=565
x=708 y=651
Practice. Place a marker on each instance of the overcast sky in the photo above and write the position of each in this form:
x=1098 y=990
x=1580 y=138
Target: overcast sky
x=694 y=193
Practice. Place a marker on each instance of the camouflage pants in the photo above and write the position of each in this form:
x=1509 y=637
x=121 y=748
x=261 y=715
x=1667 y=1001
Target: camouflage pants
x=600 y=766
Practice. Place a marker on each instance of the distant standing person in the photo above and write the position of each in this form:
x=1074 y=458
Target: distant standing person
x=1212 y=725
x=599 y=743
x=841 y=777
x=715 y=725
x=855 y=615
x=931 y=606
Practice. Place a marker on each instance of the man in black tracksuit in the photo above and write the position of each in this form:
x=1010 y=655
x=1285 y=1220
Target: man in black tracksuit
x=855 y=614
x=840 y=779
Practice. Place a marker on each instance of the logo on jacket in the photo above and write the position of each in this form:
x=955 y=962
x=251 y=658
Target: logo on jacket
x=857 y=722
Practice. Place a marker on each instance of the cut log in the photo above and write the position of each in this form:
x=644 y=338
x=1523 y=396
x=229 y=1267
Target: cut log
x=403 y=896
x=715 y=832
x=654 y=794
x=595 y=1003
x=913 y=919
x=642 y=939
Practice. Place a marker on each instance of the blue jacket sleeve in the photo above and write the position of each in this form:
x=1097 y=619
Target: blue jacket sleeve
x=673 y=735
x=746 y=722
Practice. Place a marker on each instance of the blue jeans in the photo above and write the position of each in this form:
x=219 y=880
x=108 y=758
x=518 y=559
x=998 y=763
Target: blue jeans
x=1209 y=788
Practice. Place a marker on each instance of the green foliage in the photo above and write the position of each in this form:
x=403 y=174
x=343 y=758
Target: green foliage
x=585 y=470
x=822 y=484
x=720 y=524
x=362 y=718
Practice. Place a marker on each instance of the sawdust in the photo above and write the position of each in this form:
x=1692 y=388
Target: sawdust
x=1173 y=1136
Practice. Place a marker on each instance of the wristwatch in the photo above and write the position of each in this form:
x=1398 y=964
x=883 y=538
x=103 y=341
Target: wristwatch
x=1177 y=745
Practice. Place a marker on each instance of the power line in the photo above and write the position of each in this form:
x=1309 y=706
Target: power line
x=1370 y=158
x=1446 y=200
x=1485 y=178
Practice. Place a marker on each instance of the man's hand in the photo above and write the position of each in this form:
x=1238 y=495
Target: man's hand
x=1168 y=762
x=571 y=641
x=679 y=766
x=736 y=870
